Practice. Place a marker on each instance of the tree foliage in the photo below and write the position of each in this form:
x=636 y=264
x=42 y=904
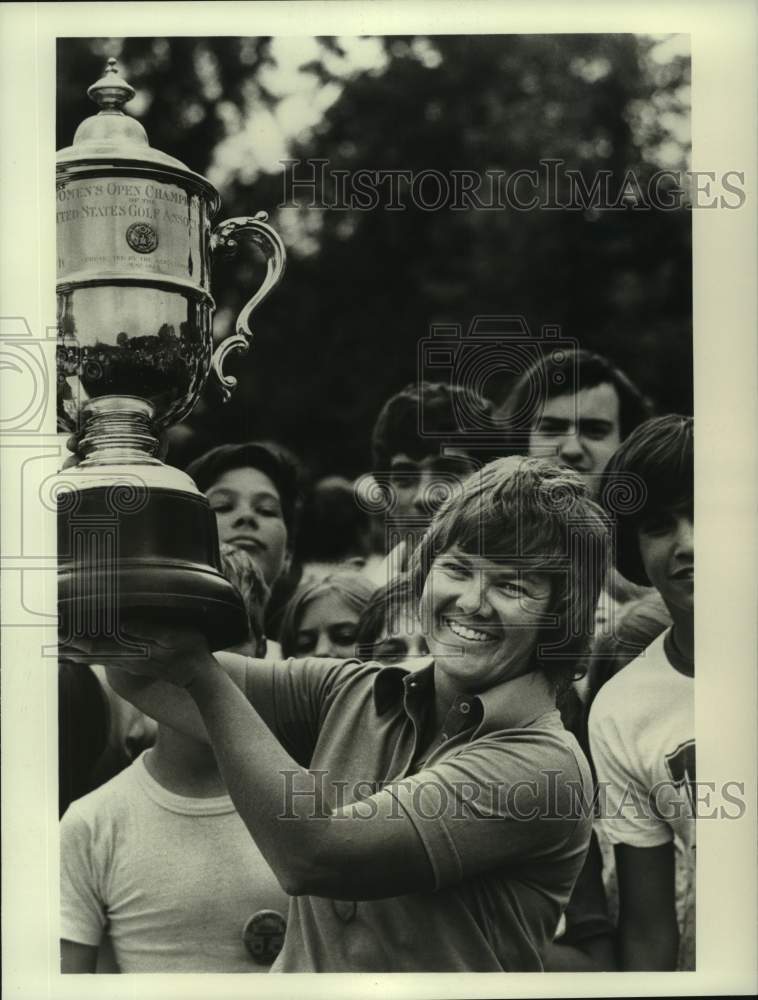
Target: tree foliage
x=342 y=331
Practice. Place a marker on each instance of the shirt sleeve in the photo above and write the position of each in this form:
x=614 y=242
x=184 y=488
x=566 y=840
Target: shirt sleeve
x=498 y=803
x=586 y=915
x=293 y=696
x=627 y=813
x=83 y=917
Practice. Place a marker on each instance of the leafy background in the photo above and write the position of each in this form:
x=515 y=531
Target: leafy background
x=362 y=289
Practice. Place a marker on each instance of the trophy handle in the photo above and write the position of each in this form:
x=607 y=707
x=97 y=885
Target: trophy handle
x=224 y=239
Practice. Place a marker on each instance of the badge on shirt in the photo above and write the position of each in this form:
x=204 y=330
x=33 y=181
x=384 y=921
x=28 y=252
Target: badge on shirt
x=263 y=935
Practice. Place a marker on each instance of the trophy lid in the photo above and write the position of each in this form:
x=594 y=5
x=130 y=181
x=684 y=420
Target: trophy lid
x=111 y=136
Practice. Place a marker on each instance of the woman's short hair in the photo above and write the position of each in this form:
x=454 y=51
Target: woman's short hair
x=354 y=589
x=276 y=461
x=651 y=473
x=529 y=513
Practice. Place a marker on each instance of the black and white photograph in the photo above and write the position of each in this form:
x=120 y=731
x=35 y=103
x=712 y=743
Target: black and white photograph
x=352 y=495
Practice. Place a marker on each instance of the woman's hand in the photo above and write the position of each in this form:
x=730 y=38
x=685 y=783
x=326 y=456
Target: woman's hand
x=171 y=653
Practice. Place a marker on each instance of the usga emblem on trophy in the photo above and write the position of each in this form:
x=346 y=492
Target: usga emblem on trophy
x=135 y=347
x=142 y=237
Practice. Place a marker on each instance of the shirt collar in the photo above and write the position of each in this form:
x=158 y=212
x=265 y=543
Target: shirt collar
x=510 y=705
x=675 y=658
x=390 y=683
x=516 y=703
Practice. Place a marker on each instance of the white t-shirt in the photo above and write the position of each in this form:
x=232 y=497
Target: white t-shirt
x=173 y=881
x=642 y=738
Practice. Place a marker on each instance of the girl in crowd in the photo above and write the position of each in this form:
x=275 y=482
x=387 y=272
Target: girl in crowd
x=322 y=618
x=390 y=629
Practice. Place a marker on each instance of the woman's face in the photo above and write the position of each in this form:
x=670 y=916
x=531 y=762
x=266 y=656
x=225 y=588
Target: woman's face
x=482 y=619
x=328 y=627
x=249 y=515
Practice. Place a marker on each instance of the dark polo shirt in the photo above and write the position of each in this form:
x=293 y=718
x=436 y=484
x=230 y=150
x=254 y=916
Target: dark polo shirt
x=496 y=802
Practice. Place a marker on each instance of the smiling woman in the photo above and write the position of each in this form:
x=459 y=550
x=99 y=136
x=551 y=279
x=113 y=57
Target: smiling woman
x=521 y=559
x=450 y=797
x=484 y=618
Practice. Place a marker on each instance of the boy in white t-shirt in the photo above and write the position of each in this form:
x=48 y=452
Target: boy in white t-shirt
x=641 y=725
x=158 y=871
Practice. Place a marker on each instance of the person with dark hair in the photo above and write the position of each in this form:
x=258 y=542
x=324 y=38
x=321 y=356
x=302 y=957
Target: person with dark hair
x=420 y=456
x=390 y=630
x=389 y=800
x=256 y=491
x=322 y=617
x=641 y=724
x=587 y=939
x=587 y=935
x=576 y=407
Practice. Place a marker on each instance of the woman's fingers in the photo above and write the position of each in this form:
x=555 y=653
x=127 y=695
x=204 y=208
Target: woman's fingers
x=104 y=649
x=74 y=458
x=164 y=636
x=141 y=667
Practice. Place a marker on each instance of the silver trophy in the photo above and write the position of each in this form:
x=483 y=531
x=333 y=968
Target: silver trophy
x=135 y=239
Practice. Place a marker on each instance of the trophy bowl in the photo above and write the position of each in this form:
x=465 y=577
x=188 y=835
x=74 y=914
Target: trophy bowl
x=135 y=349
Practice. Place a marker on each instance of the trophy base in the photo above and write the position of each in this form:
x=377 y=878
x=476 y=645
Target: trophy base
x=152 y=553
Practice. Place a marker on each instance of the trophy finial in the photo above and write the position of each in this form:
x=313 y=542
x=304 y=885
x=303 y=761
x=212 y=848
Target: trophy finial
x=111 y=127
x=111 y=91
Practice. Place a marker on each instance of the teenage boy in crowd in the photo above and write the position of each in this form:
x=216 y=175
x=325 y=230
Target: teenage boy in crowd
x=641 y=724
x=421 y=454
x=158 y=873
x=157 y=863
x=586 y=408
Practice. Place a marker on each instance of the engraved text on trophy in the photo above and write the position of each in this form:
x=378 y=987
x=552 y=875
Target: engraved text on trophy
x=129 y=226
